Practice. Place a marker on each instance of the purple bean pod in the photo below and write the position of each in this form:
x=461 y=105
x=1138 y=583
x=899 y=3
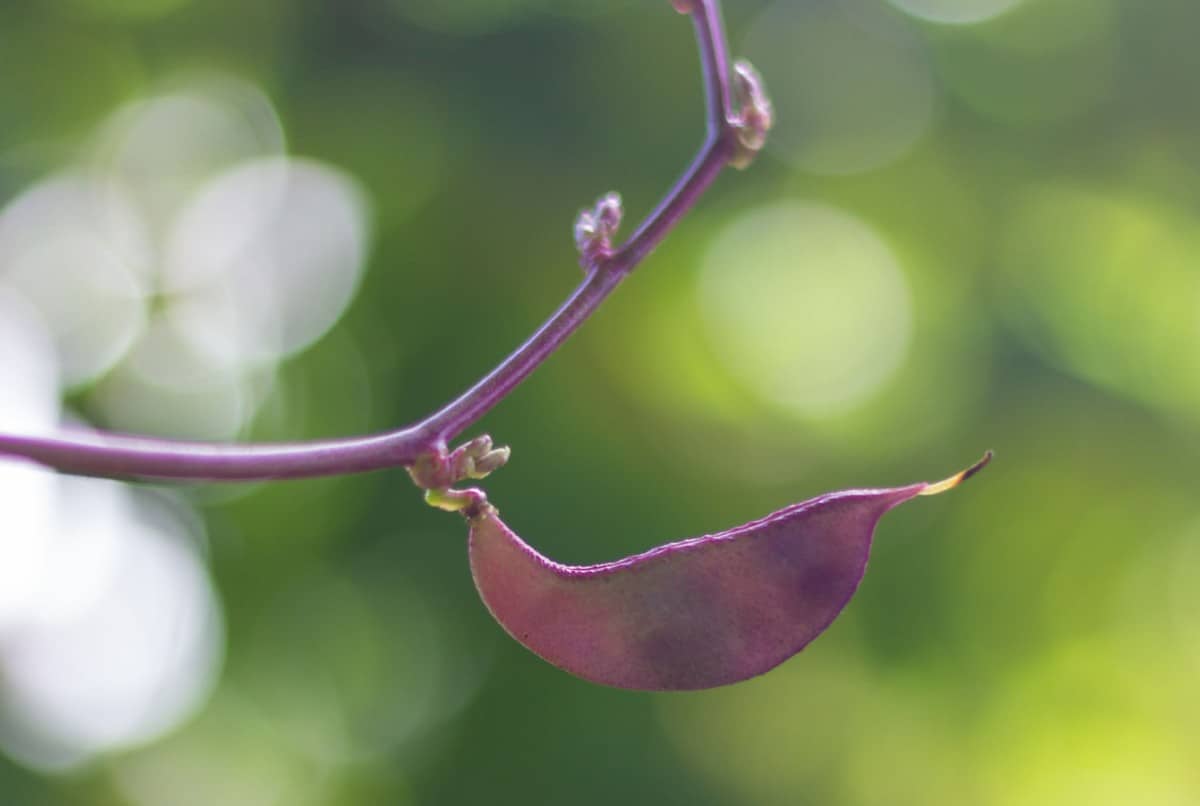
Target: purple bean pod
x=698 y=613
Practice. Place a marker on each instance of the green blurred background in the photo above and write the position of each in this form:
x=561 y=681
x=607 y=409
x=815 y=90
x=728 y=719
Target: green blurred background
x=976 y=227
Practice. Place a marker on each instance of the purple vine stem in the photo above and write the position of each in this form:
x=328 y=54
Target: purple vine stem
x=129 y=456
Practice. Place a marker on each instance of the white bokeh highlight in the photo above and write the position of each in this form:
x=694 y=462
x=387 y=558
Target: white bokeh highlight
x=82 y=256
x=28 y=405
x=282 y=269
x=185 y=257
x=955 y=12
x=163 y=147
x=110 y=630
x=806 y=306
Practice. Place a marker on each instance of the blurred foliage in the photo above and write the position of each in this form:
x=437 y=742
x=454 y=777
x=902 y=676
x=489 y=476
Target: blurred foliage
x=963 y=236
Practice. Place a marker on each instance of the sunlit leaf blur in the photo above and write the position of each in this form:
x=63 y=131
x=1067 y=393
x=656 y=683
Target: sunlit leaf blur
x=976 y=226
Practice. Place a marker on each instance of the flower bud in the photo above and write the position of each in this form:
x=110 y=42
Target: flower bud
x=754 y=114
x=491 y=461
x=595 y=228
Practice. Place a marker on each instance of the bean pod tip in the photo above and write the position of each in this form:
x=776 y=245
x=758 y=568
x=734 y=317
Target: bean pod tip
x=958 y=478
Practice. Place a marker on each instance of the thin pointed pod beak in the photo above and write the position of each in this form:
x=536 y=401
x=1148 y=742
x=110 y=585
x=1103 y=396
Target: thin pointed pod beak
x=946 y=485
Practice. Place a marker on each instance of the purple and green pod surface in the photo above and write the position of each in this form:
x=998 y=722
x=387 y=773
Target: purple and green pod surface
x=698 y=613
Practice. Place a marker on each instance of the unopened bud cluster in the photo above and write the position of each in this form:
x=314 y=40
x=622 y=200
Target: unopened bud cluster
x=753 y=116
x=477 y=459
x=438 y=471
x=595 y=228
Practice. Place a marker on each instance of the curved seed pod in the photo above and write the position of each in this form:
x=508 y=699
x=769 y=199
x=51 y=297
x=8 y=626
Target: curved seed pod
x=695 y=614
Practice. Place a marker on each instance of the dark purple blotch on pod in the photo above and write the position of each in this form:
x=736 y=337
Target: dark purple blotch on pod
x=695 y=614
